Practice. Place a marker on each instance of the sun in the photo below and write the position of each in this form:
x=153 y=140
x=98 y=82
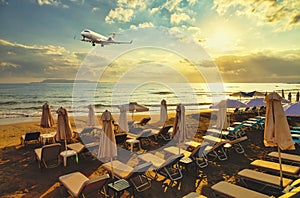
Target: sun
x=221 y=40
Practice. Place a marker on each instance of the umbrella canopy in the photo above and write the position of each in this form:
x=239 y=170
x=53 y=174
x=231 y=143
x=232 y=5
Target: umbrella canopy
x=107 y=148
x=133 y=107
x=277 y=131
x=256 y=102
x=229 y=103
x=47 y=120
x=91 y=115
x=292 y=109
x=255 y=94
x=123 y=119
x=163 y=111
x=239 y=94
x=297 y=96
x=64 y=130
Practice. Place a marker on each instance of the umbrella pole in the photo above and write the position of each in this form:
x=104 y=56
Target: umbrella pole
x=280 y=167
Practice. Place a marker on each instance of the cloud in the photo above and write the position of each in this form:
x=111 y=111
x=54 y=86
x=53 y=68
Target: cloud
x=36 y=61
x=55 y=3
x=120 y=14
x=265 y=66
x=283 y=15
x=177 y=18
x=142 y=25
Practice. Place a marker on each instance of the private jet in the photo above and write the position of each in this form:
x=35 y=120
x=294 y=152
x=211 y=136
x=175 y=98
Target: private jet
x=95 y=38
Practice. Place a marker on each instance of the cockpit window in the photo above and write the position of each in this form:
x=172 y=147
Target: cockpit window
x=87 y=31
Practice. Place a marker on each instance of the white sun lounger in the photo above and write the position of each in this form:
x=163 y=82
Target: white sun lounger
x=232 y=190
x=291 y=158
x=273 y=166
x=266 y=180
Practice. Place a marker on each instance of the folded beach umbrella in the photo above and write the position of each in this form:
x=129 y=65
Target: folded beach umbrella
x=91 y=115
x=282 y=93
x=64 y=130
x=108 y=147
x=123 y=119
x=163 y=111
x=179 y=126
x=277 y=131
x=297 y=96
x=292 y=109
x=47 y=120
x=290 y=97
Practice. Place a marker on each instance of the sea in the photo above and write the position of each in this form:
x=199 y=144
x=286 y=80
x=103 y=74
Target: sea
x=26 y=100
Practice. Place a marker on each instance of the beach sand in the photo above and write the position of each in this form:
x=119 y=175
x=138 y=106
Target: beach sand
x=21 y=177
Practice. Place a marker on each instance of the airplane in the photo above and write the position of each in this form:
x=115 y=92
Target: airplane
x=95 y=38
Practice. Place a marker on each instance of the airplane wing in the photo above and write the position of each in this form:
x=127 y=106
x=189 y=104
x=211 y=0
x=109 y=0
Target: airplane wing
x=116 y=42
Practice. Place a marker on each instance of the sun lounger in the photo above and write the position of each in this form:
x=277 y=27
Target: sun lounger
x=236 y=144
x=170 y=168
x=30 y=137
x=273 y=166
x=264 y=179
x=48 y=155
x=136 y=176
x=197 y=155
x=193 y=195
x=231 y=190
x=78 y=185
x=164 y=133
x=215 y=147
x=290 y=158
x=142 y=123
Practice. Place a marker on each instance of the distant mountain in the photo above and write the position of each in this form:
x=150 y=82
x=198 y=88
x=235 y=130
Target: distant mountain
x=65 y=81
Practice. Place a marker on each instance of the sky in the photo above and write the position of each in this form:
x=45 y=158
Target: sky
x=243 y=41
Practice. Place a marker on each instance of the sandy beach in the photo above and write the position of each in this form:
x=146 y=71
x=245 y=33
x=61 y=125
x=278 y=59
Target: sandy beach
x=21 y=177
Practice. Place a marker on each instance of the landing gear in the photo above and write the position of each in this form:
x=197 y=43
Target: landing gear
x=93 y=44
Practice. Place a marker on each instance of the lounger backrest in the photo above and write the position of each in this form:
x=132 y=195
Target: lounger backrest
x=165 y=130
x=32 y=136
x=173 y=159
x=145 y=121
x=200 y=151
x=50 y=152
x=91 y=187
x=140 y=169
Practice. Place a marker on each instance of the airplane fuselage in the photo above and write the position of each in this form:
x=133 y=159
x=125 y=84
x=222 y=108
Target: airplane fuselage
x=93 y=37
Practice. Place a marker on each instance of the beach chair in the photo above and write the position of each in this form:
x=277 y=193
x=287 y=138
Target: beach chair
x=78 y=185
x=30 y=137
x=170 y=168
x=193 y=195
x=48 y=156
x=288 y=170
x=236 y=144
x=197 y=155
x=136 y=176
x=263 y=179
x=121 y=139
x=164 y=133
x=288 y=158
x=215 y=147
x=226 y=189
x=142 y=123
